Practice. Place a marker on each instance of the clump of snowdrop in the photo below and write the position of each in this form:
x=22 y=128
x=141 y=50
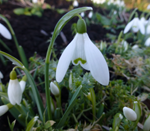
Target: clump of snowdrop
x=14 y=89
x=81 y=50
x=129 y=114
x=5 y=32
x=136 y=24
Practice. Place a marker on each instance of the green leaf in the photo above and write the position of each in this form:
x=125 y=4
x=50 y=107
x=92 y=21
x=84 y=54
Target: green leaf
x=19 y=11
x=31 y=123
x=71 y=105
x=116 y=122
x=49 y=123
x=13 y=59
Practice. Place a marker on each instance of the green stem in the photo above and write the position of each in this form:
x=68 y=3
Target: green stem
x=93 y=103
x=5 y=46
x=47 y=90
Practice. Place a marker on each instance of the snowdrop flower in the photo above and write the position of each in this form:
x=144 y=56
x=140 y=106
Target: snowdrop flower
x=23 y=83
x=82 y=51
x=129 y=114
x=54 y=89
x=1 y=75
x=147 y=42
x=135 y=25
x=5 y=108
x=75 y=3
x=34 y=1
x=144 y=21
x=82 y=14
x=148 y=29
x=135 y=47
x=90 y=14
x=14 y=89
x=124 y=44
x=146 y=126
x=148 y=7
x=5 y=32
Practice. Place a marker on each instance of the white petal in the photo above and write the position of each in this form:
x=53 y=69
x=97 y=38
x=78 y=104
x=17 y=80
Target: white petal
x=97 y=64
x=1 y=75
x=148 y=29
x=65 y=60
x=54 y=89
x=141 y=27
x=22 y=85
x=14 y=92
x=3 y=109
x=129 y=114
x=4 y=32
x=75 y=3
x=147 y=42
x=128 y=26
x=79 y=53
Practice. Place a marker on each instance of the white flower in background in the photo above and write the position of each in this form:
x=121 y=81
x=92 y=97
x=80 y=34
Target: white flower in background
x=5 y=108
x=135 y=25
x=148 y=29
x=148 y=7
x=147 y=42
x=34 y=1
x=23 y=83
x=1 y=75
x=144 y=21
x=129 y=114
x=82 y=51
x=124 y=44
x=135 y=47
x=14 y=89
x=82 y=14
x=75 y=3
x=54 y=89
x=90 y=14
x=5 y=32
x=146 y=126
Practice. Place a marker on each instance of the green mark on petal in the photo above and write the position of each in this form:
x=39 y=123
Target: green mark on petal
x=79 y=59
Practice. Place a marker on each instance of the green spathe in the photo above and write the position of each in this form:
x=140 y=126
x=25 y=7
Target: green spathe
x=13 y=75
x=81 y=26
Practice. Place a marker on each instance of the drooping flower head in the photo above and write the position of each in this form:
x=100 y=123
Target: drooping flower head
x=54 y=89
x=135 y=25
x=5 y=108
x=82 y=51
x=5 y=32
x=14 y=89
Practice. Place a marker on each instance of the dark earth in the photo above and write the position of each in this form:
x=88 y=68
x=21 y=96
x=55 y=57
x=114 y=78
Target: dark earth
x=33 y=33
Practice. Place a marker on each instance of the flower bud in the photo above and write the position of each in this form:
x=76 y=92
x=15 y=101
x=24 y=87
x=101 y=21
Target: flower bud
x=23 y=83
x=129 y=114
x=75 y=3
x=54 y=89
x=146 y=126
x=5 y=108
x=90 y=14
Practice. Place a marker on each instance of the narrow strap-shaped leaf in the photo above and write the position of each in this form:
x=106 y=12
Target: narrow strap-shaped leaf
x=31 y=81
x=31 y=123
x=71 y=105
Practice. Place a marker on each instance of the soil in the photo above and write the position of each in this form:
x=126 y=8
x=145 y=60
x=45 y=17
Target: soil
x=33 y=33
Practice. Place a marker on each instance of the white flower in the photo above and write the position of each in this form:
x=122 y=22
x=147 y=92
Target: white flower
x=124 y=44
x=14 y=92
x=135 y=25
x=34 y=1
x=75 y=3
x=5 y=32
x=146 y=126
x=147 y=42
x=148 y=7
x=82 y=14
x=82 y=51
x=1 y=75
x=135 y=47
x=129 y=114
x=3 y=109
x=148 y=29
x=54 y=89
x=144 y=21
x=90 y=14
x=22 y=85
